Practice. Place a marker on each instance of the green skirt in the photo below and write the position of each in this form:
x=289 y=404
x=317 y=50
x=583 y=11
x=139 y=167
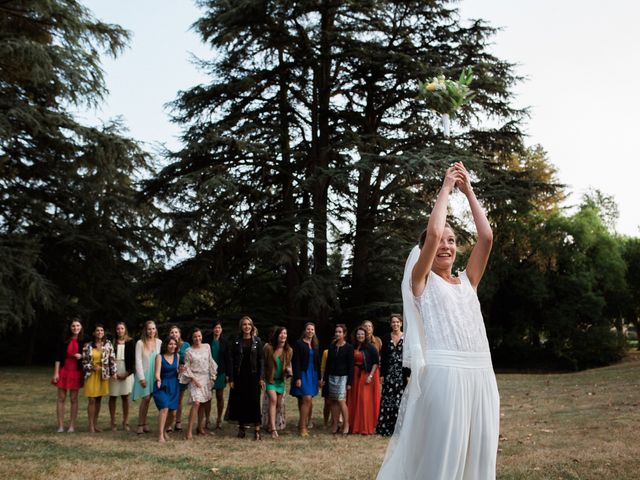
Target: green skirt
x=277 y=386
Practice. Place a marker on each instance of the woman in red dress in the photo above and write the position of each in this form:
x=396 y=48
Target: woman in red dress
x=67 y=372
x=363 y=400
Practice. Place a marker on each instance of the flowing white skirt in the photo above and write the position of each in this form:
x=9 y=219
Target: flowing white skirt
x=448 y=423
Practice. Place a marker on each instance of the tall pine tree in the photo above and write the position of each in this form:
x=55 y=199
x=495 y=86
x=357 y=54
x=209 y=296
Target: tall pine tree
x=73 y=233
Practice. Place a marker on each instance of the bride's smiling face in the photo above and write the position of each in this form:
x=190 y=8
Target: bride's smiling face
x=447 y=249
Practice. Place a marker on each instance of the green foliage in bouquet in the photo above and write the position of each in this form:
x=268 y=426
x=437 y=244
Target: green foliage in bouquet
x=446 y=96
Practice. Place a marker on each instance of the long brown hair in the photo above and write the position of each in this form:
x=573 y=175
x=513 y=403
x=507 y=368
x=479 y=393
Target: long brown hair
x=354 y=335
x=344 y=330
x=165 y=345
x=314 y=340
x=67 y=331
x=274 y=340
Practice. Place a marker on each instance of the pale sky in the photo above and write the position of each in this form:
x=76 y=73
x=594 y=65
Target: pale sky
x=581 y=60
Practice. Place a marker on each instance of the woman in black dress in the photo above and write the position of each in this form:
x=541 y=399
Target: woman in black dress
x=393 y=377
x=246 y=379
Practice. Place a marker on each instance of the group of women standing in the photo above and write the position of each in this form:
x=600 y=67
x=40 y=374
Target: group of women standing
x=165 y=370
x=353 y=375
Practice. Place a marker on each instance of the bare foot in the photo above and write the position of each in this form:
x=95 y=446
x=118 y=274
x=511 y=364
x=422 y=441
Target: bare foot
x=162 y=440
x=114 y=428
x=97 y=430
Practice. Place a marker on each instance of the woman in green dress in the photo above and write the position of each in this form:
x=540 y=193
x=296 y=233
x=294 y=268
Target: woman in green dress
x=277 y=366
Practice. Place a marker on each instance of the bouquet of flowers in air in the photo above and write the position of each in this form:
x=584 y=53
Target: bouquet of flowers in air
x=446 y=96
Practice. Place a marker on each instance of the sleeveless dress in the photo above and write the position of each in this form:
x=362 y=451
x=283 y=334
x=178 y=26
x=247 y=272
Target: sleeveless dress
x=449 y=416
x=120 y=387
x=363 y=400
x=70 y=375
x=167 y=395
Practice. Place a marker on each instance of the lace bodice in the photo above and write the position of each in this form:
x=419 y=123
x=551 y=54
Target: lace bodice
x=451 y=315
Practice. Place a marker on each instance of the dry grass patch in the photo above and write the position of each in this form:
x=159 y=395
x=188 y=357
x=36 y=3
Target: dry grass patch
x=558 y=426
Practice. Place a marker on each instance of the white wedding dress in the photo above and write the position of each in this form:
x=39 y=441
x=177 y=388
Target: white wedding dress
x=448 y=423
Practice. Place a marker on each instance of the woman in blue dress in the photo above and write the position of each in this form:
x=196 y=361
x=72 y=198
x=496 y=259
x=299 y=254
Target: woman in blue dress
x=176 y=333
x=166 y=390
x=306 y=375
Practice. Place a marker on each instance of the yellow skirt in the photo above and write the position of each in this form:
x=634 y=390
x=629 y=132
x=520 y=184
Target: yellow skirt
x=94 y=386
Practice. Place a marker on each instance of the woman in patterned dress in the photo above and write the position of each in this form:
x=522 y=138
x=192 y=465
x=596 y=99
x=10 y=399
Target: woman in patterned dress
x=67 y=373
x=99 y=365
x=392 y=376
x=200 y=372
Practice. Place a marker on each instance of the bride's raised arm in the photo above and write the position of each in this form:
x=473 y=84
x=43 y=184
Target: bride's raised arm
x=435 y=228
x=480 y=253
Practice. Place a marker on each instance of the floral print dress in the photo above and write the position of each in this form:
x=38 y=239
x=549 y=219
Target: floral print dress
x=392 y=389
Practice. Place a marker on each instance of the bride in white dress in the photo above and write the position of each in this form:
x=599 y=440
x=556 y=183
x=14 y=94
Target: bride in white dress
x=448 y=423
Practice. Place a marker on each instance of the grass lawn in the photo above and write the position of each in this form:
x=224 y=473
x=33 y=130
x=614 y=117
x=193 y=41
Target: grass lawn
x=557 y=426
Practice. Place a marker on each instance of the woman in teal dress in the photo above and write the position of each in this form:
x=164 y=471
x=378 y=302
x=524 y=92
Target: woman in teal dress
x=277 y=366
x=221 y=355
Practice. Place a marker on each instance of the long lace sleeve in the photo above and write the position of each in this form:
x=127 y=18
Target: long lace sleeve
x=139 y=366
x=187 y=374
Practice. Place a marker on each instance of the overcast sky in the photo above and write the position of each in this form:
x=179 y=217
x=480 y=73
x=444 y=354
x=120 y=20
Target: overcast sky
x=581 y=60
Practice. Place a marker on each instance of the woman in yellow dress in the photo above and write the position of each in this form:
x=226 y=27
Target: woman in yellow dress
x=99 y=364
